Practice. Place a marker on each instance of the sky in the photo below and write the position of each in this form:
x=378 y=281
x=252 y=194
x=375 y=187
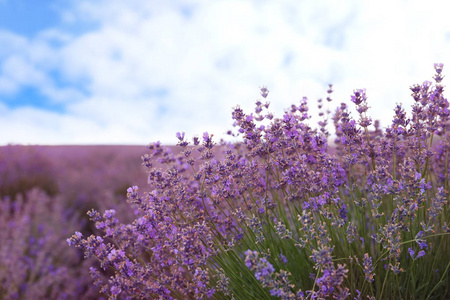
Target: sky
x=135 y=72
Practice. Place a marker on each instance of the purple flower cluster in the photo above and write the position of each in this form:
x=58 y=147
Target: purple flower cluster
x=254 y=219
x=278 y=283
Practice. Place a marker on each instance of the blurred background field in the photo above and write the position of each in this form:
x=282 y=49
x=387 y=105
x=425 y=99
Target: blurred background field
x=82 y=173
x=45 y=194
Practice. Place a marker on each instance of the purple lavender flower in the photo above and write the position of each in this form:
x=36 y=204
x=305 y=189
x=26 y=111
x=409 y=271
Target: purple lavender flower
x=358 y=96
x=419 y=254
x=368 y=268
x=264 y=92
x=283 y=258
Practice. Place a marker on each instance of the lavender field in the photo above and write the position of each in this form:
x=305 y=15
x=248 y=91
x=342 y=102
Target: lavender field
x=46 y=192
x=279 y=214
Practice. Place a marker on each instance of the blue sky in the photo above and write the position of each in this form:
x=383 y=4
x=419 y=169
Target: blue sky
x=133 y=72
x=28 y=17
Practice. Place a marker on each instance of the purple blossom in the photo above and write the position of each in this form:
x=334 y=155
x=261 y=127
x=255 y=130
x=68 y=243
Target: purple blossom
x=358 y=96
x=264 y=92
x=283 y=258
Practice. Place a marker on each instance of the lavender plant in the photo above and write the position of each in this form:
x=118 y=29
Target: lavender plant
x=283 y=215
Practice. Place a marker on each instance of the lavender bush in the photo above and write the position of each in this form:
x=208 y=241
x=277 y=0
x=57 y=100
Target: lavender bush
x=282 y=215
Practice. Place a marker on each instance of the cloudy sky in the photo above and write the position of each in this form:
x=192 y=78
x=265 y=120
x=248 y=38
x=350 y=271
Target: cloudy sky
x=135 y=71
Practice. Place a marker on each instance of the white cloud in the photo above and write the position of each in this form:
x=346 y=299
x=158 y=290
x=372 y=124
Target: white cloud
x=145 y=70
x=22 y=72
